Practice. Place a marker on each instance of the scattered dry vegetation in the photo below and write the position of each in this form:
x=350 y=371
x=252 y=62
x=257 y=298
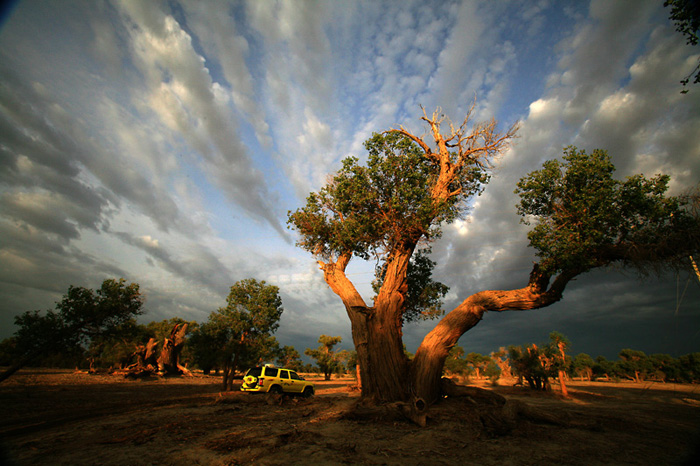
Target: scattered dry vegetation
x=60 y=417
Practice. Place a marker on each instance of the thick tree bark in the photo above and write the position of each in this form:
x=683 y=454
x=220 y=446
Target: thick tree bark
x=376 y=331
x=426 y=367
x=562 y=375
x=169 y=359
x=148 y=362
x=562 y=384
x=146 y=354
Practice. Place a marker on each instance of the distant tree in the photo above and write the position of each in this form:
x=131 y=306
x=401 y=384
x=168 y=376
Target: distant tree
x=493 y=372
x=345 y=357
x=538 y=363
x=583 y=366
x=690 y=367
x=8 y=351
x=240 y=334
x=665 y=367
x=326 y=358
x=604 y=368
x=558 y=344
x=500 y=357
x=82 y=315
x=478 y=362
x=634 y=364
x=686 y=16
x=527 y=364
x=115 y=349
x=455 y=362
x=290 y=358
x=205 y=345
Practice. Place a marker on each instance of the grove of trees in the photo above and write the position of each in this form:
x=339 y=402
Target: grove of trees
x=82 y=318
x=535 y=365
x=393 y=207
x=98 y=328
x=74 y=336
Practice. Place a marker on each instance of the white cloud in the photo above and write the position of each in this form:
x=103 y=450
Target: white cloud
x=164 y=141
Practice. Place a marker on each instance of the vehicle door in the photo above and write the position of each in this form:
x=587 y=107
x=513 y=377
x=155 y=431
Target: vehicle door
x=298 y=382
x=287 y=382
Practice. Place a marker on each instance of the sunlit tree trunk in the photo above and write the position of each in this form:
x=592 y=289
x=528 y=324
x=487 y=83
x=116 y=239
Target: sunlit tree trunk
x=169 y=359
x=377 y=331
x=562 y=375
x=562 y=384
x=426 y=367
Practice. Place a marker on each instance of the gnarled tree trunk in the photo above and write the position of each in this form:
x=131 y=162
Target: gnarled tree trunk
x=376 y=331
x=169 y=359
x=148 y=362
x=426 y=367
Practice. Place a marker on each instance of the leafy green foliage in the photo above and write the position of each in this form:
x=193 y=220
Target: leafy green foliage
x=582 y=366
x=379 y=206
x=493 y=372
x=240 y=334
x=479 y=362
x=584 y=218
x=423 y=300
x=290 y=358
x=690 y=366
x=536 y=364
x=116 y=348
x=455 y=362
x=327 y=360
x=686 y=16
x=635 y=364
x=83 y=314
x=526 y=364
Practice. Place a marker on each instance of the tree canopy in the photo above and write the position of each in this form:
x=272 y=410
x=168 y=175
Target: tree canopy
x=240 y=334
x=82 y=315
x=327 y=359
x=584 y=218
x=391 y=208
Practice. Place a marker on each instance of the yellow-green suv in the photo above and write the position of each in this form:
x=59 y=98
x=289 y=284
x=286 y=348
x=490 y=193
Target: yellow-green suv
x=274 y=380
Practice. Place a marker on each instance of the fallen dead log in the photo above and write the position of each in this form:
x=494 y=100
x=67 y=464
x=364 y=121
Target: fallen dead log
x=505 y=414
x=451 y=389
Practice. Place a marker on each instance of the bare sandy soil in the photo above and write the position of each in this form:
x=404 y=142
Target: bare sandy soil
x=65 y=418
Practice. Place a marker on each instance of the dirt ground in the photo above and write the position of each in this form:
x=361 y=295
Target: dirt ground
x=66 y=418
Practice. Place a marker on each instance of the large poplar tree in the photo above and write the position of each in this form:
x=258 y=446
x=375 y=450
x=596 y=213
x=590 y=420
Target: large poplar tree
x=395 y=205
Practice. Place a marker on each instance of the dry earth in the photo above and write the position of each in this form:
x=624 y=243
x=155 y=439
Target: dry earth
x=65 y=418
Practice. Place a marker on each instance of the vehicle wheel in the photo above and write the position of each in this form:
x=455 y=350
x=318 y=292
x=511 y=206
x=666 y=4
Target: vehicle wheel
x=276 y=389
x=308 y=392
x=250 y=379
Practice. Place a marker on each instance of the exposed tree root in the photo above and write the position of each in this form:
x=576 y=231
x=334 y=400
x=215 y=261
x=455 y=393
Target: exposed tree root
x=493 y=412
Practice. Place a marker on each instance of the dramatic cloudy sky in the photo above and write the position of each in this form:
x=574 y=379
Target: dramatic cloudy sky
x=165 y=141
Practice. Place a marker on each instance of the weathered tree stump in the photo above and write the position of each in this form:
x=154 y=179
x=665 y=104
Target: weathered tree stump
x=149 y=363
x=169 y=359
